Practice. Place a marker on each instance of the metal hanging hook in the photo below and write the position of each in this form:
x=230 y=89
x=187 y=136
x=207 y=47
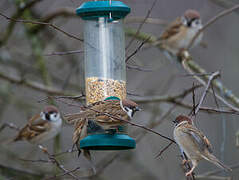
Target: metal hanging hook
x=110 y=12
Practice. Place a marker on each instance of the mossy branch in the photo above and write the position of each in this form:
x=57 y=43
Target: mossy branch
x=192 y=67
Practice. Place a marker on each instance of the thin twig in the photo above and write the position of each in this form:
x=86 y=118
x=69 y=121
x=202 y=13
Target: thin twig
x=166 y=98
x=57 y=163
x=134 y=124
x=17 y=14
x=35 y=160
x=64 y=53
x=31 y=84
x=213 y=76
x=138 y=68
x=43 y=23
x=9 y=125
x=194 y=102
x=149 y=20
x=163 y=150
x=136 y=50
x=141 y=25
x=63 y=174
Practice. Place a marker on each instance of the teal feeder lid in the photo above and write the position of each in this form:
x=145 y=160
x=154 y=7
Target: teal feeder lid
x=112 y=98
x=107 y=142
x=92 y=10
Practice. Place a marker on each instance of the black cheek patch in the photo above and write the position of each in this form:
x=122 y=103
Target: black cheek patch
x=47 y=116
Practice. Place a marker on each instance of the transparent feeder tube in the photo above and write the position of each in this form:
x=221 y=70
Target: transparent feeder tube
x=104 y=60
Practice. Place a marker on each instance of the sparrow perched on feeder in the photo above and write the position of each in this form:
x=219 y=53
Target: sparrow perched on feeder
x=41 y=127
x=179 y=34
x=194 y=143
x=106 y=114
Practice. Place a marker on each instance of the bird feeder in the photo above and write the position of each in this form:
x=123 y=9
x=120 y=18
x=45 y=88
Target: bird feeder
x=105 y=69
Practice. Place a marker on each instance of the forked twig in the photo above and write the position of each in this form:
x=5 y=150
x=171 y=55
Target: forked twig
x=213 y=76
x=42 y=23
x=57 y=163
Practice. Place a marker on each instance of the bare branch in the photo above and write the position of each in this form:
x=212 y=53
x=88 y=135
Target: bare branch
x=9 y=125
x=138 y=68
x=138 y=49
x=166 y=98
x=31 y=84
x=148 y=20
x=43 y=23
x=17 y=14
x=63 y=174
x=134 y=124
x=163 y=150
x=65 y=11
x=211 y=21
x=213 y=76
x=141 y=25
x=223 y=3
x=57 y=163
x=64 y=53
x=190 y=66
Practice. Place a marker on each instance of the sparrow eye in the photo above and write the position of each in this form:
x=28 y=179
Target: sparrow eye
x=196 y=21
x=126 y=109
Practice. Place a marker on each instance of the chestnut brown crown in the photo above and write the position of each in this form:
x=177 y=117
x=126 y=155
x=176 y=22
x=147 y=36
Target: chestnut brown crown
x=191 y=14
x=129 y=103
x=50 y=109
x=182 y=118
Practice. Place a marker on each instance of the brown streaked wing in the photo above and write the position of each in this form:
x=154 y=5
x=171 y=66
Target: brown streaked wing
x=198 y=137
x=86 y=112
x=34 y=118
x=40 y=126
x=171 y=30
x=80 y=130
x=113 y=109
x=34 y=127
x=71 y=118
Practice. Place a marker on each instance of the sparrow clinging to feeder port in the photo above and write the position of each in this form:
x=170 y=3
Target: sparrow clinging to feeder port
x=194 y=143
x=41 y=127
x=179 y=34
x=106 y=114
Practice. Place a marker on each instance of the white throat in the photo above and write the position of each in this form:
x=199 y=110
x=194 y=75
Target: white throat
x=183 y=122
x=128 y=111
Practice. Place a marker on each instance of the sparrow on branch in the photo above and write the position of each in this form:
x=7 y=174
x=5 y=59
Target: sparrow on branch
x=194 y=143
x=179 y=34
x=41 y=127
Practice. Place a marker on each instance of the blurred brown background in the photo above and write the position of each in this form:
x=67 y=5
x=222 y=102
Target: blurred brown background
x=23 y=55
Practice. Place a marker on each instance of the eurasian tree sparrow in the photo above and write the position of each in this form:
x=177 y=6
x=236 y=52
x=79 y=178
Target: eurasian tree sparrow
x=179 y=34
x=194 y=143
x=41 y=127
x=94 y=115
x=122 y=109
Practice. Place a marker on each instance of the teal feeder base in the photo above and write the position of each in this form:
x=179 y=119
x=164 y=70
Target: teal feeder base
x=107 y=142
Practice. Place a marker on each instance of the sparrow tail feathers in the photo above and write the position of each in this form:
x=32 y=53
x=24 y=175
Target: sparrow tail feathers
x=214 y=160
